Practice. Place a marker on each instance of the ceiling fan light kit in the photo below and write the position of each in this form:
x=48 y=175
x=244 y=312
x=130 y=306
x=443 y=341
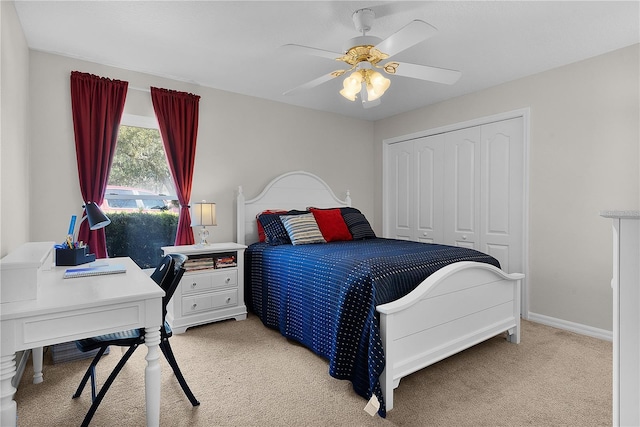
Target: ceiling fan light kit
x=364 y=53
x=366 y=81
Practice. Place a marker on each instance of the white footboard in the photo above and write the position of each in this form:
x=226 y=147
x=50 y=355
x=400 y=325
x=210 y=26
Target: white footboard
x=455 y=308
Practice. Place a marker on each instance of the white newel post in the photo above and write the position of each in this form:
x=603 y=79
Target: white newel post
x=7 y=404
x=152 y=376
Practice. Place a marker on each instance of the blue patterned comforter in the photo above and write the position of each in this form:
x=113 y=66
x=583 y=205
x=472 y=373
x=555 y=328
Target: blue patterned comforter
x=325 y=296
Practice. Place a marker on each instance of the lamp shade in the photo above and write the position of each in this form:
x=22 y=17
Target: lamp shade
x=203 y=214
x=95 y=217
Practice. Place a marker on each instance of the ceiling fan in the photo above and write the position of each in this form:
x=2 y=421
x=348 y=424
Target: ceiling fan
x=364 y=54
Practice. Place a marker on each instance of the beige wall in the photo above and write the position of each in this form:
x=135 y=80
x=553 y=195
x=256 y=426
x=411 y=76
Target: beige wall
x=14 y=134
x=241 y=141
x=584 y=158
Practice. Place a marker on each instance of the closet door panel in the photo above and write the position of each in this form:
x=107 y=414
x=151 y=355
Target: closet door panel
x=501 y=204
x=461 y=187
x=400 y=198
x=429 y=153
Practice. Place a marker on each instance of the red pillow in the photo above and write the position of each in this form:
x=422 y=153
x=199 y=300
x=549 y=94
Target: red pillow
x=331 y=224
x=261 y=236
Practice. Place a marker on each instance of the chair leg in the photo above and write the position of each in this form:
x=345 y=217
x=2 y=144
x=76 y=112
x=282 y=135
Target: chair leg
x=107 y=384
x=90 y=373
x=168 y=354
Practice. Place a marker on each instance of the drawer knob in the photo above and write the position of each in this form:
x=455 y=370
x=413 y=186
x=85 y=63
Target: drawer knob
x=227 y=280
x=194 y=305
x=194 y=284
x=228 y=300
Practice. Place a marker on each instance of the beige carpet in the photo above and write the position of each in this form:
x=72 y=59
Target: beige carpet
x=247 y=375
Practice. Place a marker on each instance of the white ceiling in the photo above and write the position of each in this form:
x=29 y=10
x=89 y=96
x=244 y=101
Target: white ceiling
x=233 y=45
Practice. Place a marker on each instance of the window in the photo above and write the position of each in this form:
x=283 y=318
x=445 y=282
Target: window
x=140 y=197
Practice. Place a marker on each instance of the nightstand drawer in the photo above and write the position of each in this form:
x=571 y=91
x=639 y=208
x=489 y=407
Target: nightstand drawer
x=225 y=298
x=215 y=300
x=225 y=278
x=196 y=304
x=196 y=282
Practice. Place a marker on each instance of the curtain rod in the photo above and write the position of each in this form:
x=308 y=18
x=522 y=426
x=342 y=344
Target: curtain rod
x=141 y=89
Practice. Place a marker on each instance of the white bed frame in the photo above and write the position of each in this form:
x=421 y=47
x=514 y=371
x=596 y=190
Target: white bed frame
x=455 y=308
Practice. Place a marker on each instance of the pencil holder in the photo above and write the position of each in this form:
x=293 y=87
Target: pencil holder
x=75 y=256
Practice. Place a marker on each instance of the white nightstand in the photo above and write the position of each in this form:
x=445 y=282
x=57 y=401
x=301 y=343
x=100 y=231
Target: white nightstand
x=208 y=291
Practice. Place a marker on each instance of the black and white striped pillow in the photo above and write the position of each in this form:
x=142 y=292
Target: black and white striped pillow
x=302 y=229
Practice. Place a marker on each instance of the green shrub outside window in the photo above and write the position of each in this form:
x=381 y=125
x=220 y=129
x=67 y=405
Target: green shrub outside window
x=140 y=235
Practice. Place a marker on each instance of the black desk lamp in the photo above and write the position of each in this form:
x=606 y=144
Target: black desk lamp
x=94 y=216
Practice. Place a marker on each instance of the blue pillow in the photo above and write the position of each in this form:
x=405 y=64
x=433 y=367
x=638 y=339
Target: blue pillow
x=357 y=224
x=274 y=231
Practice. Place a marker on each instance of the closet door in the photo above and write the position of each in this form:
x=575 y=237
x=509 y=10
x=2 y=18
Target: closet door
x=502 y=193
x=399 y=188
x=462 y=187
x=429 y=157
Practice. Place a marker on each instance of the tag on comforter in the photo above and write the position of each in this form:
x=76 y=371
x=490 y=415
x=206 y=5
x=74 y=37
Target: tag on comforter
x=372 y=406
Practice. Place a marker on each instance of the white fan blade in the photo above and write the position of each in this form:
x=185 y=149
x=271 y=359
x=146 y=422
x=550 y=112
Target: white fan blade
x=309 y=85
x=296 y=48
x=425 y=72
x=409 y=35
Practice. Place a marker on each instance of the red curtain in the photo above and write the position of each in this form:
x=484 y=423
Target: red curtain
x=97 y=104
x=177 y=114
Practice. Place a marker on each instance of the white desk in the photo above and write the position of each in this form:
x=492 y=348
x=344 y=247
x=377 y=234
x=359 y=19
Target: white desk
x=71 y=309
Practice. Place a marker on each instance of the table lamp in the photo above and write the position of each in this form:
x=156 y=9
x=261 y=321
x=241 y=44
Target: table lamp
x=202 y=215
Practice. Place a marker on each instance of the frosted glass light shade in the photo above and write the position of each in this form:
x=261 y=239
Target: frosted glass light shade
x=377 y=85
x=351 y=86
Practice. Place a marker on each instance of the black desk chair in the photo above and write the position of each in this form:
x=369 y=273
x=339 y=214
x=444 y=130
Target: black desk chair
x=167 y=275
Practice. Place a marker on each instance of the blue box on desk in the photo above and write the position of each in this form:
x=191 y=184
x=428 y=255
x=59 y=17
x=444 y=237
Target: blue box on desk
x=75 y=256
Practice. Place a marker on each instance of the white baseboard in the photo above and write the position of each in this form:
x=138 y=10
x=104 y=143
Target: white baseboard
x=571 y=326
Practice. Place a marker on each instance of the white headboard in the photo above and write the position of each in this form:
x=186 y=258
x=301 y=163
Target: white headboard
x=292 y=190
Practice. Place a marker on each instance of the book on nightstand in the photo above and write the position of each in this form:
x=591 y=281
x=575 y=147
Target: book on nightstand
x=225 y=261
